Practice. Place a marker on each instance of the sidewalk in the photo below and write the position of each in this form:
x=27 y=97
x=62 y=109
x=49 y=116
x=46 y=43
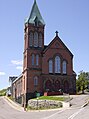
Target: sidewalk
x=79 y=100
x=14 y=104
x=19 y=108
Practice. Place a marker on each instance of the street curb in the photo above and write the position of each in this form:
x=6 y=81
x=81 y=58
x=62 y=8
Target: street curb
x=19 y=108
x=84 y=105
x=13 y=104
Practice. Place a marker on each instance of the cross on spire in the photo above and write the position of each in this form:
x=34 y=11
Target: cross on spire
x=56 y=33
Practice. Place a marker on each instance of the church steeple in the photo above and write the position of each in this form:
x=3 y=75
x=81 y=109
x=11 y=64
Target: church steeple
x=35 y=16
x=34 y=29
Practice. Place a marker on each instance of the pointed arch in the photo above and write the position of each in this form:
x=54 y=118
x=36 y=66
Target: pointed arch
x=57 y=85
x=35 y=39
x=31 y=39
x=40 y=39
x=35 y=81
x=57 y=64
x=37 y=60
x=50 y=66
x=33 y=57
x=48 y=85
x=64 y=67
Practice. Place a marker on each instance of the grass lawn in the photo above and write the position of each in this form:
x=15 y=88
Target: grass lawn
x=51 y=98
x=46 y=104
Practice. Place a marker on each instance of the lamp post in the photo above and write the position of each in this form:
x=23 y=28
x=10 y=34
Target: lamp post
x=37 y=103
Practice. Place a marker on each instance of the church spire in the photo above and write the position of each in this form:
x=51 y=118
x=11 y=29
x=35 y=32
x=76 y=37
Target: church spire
x=34 y=1
x=35 y=15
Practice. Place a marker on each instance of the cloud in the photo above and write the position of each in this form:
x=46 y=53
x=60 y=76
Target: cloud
x=2 y=73
x=19 y=68
x=17 y=62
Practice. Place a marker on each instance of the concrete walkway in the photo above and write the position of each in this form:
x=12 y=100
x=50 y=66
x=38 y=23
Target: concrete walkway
x=14 y=104
x=79 y=100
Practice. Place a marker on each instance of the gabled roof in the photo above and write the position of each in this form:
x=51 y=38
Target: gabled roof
x=59 y=40
x=35 y=14
x=17 y=78
x=45 y=46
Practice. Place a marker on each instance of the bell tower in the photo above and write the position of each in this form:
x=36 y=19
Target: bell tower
x=33 y=47
x=34 y=29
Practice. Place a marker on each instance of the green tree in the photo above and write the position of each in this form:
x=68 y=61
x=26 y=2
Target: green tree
x=3 y=92
x=82 y=81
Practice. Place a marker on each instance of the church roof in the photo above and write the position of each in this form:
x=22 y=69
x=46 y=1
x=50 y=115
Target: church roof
x=35 y=14
x=45 y=46
x=59 y=40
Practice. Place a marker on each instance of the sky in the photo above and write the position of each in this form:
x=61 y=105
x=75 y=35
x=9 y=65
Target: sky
x=69 y=17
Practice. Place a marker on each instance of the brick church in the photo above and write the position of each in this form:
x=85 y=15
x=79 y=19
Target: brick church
x=46 y=68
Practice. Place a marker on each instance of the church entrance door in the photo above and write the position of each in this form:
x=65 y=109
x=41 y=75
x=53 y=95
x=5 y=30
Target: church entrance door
x=48 y=85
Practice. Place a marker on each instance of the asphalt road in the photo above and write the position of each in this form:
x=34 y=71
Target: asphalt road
x=8 y=112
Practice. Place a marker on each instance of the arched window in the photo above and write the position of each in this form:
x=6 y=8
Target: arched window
x=35 y=39
x=48 y=85
x=33 y=59
x=31 y=39
x=37 y=60
x=50 y=66
x=40 y=40
x=64 y=67
x=24 y=82
x=35 y=81
x=57 y=85
x=57 y=65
